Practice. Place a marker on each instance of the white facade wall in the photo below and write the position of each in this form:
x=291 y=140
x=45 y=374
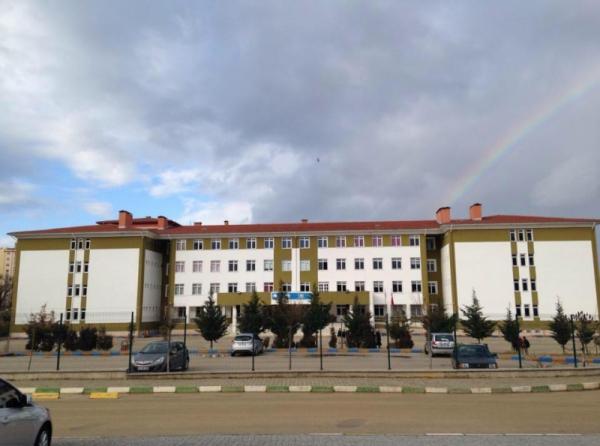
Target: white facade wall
x=486 y=268
x=446 y=278
x=224 y=277
x=152 y=286
x=112 y=285
x=565 y=270
x=42 y=281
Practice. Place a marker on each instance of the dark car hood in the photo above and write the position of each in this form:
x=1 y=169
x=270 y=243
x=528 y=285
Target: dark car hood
x=151 y=357
x=477 y=359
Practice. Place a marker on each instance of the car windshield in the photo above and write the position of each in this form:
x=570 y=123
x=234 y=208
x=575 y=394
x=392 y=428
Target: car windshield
x=473 y=350
x=155 y=348
x=243 y=338
x=443 y=337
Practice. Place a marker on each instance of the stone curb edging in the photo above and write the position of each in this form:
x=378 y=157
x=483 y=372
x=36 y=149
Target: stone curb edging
x=40 y=392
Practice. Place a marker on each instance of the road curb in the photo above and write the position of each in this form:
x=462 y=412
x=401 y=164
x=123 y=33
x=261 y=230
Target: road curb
x=41 y=392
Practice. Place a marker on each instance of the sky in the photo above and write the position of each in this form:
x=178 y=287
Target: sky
x=276 y=111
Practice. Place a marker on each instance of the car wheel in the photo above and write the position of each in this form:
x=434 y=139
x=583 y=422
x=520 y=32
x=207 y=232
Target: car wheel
x=43 y=437
x=232 y=354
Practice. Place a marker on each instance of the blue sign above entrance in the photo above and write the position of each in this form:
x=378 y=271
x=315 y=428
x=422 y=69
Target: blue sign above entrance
x=294 y=296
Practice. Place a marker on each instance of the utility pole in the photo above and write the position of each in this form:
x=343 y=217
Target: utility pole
x=519 y=341
x=60 y=336
x=321 y=348
x=573 y=338
x=387 y=332
x=130 y=342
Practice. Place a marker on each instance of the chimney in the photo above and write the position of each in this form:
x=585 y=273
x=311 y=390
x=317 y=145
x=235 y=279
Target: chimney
x=304 y=220
x=442 y=215
x=162 y=223
x=197 y=223
x=125 y=219
x=226 y=222
x=475 y=212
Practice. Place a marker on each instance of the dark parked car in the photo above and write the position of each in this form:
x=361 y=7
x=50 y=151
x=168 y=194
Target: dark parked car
x=21 y=421
x=474 y=356
x=153 y=357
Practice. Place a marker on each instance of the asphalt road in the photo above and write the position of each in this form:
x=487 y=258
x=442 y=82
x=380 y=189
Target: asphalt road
x=351 y=414
x=338 y=440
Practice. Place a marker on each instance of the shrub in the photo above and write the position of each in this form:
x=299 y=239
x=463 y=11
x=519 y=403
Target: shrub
x=71 y=340
x=41 y=330
x=104 y=341
x=332 y=338
x=400 y=331
x=88 y=338
x=4 y=322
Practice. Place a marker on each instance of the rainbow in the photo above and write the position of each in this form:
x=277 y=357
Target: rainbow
x=518 y=133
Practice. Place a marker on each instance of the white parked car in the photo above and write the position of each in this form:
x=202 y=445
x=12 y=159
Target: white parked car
x=245 y=342
x=441 y=344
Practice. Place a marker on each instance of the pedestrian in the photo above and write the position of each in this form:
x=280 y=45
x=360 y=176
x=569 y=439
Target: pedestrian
x=378 y=339
x=526 y=345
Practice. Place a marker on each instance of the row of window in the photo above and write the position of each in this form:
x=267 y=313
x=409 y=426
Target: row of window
x=523 y=259
x=525 y=285
x=323 y=265
x=527 y=311
x=77 y=290
x=232 y=287
x=74 y=314
x=521 y=235
x=304 y=242
x=80 y=243
x=78 y=267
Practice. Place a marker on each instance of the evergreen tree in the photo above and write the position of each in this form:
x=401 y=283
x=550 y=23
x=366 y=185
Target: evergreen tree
x=316 y=317
x=585 y=330
x=252 y=319
x=360 y=332
x=211 y=322
x=475 y=324
x=510 y=330
x=400 y=330
x=437 y=320
x=283 y=319
x=560 y=327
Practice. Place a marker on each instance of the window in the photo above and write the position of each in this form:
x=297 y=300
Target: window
x=286 y=265
x=416 y=310
x=379 y=310
x=234 y=243
x=516 y=284
x=286 y=243
x=523 y=260
x=322 y=264
x=340 y=264
x=514 y=260
x=232 y=266
x=359 y=286
x=323 y=286
x=215 y=288
x=198 y=245
x=84 y=290
x=251 y=243
x=87 y=246
x=432 y=287
x=232 y=287
x=377 y=263
x=86 y=267
x=521 y=235
x=322 y=242
x=180 y=245
x=68 y=315
x=215 y=266
x=268 y=265
x=78 y=267
x=215 y=243
x=268 y=287
x=430 y=241
x=80 y=244
x=396 y=240
x=415 y=263
x=513 y=235
x=73 y=243
x=536 y=312
x=178 y=289
x=341 y=286
x=377 y=240
x=431 y=265
x=250 y=265
x=396 y=286
x=340 y=241
x=524 y=284
x=75 y=314
x=250 y=287
x=359 y=263
x=286 y=287
x=304 y=242
x=359 y=241
x=531 y=260
x=181 y=312
x=179 y=267
x=413 y=240
x=533 y=285
x=529 y=233
x=378 y=286
x=342 y=310
x=305 y=286
x=304 y=265
x=527 y=310
x=72 y=267
x=518 y=311
x=396 y=262
x=77 y=290
x=415 y=286
x=196 y=289
x=269 y=243
x=82 y=313
x=197 y=266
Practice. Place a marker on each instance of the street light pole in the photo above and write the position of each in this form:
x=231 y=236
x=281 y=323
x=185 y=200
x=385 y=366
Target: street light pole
x=573 y=338
x=519 y=341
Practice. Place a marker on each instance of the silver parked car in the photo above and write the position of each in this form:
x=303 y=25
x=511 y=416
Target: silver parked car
x=21 y=421
x=441 y=344
x=245 y=342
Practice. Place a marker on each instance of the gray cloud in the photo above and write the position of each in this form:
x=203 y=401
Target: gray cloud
x=395 y=101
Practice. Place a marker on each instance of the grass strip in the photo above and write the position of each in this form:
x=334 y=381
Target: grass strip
x=413 y=389
x=88 y=390
x=47 y=390
x=540 y=389
x=574 y=387
x=501 y=390
x=278 y=389
x=367 y=389
x=186 y=389
x=232 y=389
x=459 y=390
x=141 y=389
x=321 y=389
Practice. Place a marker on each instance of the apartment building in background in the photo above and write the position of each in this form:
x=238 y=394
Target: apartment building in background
x=7 y=263
x=102 y=273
